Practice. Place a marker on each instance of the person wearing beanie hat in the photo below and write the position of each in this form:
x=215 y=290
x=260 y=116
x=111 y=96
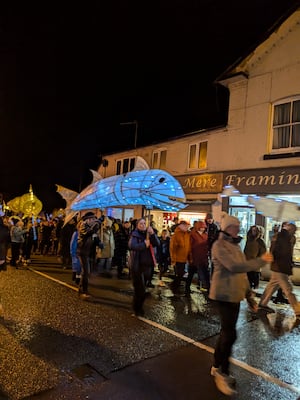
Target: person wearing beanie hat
x=227 y=220
x=229 y=286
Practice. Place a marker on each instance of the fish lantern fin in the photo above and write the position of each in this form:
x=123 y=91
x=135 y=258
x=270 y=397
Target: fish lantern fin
x=140 y=164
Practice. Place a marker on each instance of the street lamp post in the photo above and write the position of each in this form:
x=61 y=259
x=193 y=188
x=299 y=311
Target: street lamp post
x=135 y=122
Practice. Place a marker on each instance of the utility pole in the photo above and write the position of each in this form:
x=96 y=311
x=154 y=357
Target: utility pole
x=135 y=122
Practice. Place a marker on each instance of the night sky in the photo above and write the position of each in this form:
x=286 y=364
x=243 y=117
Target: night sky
x=70 y=75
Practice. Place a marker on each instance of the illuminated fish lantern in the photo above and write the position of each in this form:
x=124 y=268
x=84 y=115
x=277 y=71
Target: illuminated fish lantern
x=27 y=204
x=152 y=188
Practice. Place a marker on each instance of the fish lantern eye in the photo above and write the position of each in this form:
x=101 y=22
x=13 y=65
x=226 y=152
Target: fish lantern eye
x=161 y=180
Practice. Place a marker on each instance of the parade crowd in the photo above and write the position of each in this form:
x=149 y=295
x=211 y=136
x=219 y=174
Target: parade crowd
x=206 y=252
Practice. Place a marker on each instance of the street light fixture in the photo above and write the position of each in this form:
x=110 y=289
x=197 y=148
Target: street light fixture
x=135 y=122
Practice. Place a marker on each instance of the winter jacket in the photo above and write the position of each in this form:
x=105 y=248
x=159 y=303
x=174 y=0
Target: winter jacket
x=282 y=250
x=180 y=247
x=229 y=279
x=87 y=237
x=199 y=247
x=255 y=246
x=140 y=255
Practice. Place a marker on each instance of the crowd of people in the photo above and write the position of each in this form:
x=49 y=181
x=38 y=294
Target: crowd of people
x=225 y=273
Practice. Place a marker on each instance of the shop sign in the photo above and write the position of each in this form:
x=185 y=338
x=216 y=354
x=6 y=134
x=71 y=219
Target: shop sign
x=206 y=183
x=253 y=181
x=273 y=180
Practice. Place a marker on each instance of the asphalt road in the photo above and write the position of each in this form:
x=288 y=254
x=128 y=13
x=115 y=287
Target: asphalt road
x=56 y=346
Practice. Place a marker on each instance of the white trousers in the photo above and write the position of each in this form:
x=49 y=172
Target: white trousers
x=277 y=280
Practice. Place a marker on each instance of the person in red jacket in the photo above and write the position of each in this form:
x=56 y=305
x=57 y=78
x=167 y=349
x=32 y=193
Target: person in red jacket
x=199 y=249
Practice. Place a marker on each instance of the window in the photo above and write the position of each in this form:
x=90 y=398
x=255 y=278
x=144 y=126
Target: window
x=125 y=165
x=286 y=125
x=159 y=159
x=198 y=155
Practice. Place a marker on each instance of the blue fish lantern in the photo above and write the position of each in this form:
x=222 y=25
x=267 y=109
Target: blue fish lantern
x=152 y=188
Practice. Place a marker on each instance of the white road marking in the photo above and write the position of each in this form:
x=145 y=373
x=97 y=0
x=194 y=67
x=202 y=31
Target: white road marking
x=209 y=349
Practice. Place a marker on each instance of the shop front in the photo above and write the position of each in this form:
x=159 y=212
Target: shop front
x=283 y=183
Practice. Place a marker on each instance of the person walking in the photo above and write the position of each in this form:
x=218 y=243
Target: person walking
x=254 y=247
x=281 y=269
x=141 y=243
x=121 y=235
x=88 y=228
x=17 y=233
x=199 y=249
x=163 y=255
x=212 y=232
x=105 y=253
x=181 y=255
x=229 y=286
x=76 y=265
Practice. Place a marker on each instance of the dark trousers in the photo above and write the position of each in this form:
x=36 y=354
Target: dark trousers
x=179 y=272
x=15 y=253
x=85 y=271
x=253 y=278
x=228 y=313
x=140 y=277
x=163 y=266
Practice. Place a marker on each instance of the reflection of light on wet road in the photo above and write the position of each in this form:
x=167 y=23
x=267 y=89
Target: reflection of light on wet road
x=240 y=364
x=282 y=322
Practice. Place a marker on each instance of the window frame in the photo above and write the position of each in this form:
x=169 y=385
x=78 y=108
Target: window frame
x=290 y=124
x=159 y=164
x=121 y=162
x=195 y=148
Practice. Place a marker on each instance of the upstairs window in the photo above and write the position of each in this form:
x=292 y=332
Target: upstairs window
x=197 y=156
x=286 y=126
x=125 y=165
x=159 y=159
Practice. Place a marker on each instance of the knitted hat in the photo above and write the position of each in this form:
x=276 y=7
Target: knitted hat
x=183 y=223
x=88 y=215
x=227 y=220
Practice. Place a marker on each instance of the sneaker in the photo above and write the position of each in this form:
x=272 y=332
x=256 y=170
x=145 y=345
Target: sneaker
x=266 y=308
x=223 y=384
x=85 y=296
x=252 y=305
x=231 y=379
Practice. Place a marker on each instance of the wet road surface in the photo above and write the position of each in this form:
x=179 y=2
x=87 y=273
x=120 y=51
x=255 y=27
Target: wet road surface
x=56 y=346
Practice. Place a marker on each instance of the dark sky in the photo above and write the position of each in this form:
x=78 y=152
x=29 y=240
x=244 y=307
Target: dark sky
x=70 y=75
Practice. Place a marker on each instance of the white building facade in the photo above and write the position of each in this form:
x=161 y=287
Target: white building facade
x=258 y=151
